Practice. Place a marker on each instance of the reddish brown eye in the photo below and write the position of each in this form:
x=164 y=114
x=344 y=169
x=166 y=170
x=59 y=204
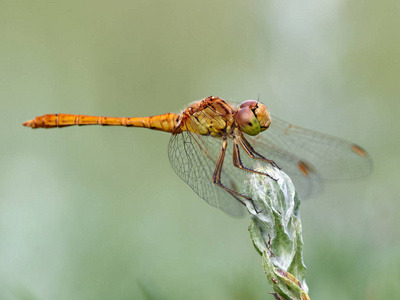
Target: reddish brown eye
x=244 y=116
x=249 y=103
x=253 y=117
x=247 y=121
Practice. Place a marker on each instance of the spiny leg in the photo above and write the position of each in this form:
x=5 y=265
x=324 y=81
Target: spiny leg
x=216 y=178
x=252 y=153
x=237 y=162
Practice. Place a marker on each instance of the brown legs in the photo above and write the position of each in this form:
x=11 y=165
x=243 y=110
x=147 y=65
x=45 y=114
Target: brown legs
x=238 y=163
x=216 y=178
x=253 y=153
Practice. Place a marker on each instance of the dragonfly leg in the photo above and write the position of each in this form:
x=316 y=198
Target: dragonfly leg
x=216 y=178
x=253 y=153
x=237 y=162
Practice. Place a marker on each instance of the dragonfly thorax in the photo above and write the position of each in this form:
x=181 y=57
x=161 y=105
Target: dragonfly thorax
x=211 y=116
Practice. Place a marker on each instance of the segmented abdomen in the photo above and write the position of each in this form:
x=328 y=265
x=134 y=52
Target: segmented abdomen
x=166 y=122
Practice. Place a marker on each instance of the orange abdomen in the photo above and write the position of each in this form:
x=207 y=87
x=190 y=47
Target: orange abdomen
x=166 y=122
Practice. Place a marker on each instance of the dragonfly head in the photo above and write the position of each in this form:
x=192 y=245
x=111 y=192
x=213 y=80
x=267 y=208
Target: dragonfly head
x=252 y=117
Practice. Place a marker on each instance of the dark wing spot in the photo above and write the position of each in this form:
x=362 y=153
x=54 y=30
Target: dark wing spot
x=304 y=168
x=358 y=150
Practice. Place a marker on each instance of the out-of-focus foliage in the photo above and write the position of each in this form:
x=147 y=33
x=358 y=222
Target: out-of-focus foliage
x=98 y=213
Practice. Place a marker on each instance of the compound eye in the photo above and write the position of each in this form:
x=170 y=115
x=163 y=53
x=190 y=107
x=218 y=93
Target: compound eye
x=249 y=103
x=247 y=121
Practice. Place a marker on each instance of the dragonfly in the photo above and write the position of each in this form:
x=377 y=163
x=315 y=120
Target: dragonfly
x=215 y=145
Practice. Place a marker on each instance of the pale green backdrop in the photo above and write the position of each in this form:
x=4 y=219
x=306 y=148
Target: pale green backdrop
x=98 y=213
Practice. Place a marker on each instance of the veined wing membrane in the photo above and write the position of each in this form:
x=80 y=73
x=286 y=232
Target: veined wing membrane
x=193 y=157
x=306 y=155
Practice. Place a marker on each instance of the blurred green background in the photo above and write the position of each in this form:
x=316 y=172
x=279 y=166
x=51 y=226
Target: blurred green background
x=98 y=213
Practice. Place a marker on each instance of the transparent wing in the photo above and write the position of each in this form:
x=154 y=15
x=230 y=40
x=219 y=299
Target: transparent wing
x=193 y=157
x=310 y=157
